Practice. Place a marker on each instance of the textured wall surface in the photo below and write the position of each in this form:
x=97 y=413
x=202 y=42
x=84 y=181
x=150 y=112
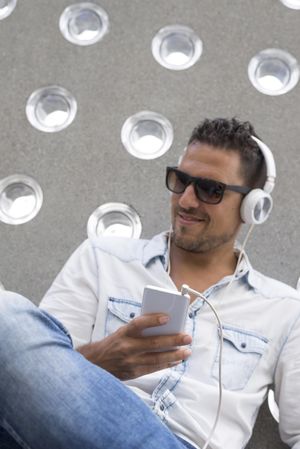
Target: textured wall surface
x=86 y=165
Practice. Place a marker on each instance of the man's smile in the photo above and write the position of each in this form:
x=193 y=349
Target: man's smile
x=189 y=219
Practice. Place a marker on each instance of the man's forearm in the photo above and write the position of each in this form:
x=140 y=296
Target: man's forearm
x=127 y=354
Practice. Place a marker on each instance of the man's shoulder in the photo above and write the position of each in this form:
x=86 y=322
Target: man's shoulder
x=128 y=249
x=121 y=247
x=272 y=288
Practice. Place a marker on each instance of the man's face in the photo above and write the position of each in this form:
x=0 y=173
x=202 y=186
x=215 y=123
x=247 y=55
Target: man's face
x=198 y=226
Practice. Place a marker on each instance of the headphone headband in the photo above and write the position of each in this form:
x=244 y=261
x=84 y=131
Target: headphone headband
x=257 y=204
x=270 y=165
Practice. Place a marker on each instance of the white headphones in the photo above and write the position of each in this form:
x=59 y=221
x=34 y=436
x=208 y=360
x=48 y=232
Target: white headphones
x=257 y=204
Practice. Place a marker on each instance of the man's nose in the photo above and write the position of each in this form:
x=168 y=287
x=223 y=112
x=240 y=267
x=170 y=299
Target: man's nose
x=188 y=198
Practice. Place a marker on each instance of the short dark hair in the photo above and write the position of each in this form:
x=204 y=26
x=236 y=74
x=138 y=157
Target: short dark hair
x=232 y=134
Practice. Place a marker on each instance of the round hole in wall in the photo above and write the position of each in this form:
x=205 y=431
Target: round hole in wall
x=114 y=219
x=273 y=71
x=147 y=135
x=293 y=4
x=84 y=23
x=21 y=198
x=176 y=47
x=6 y=8
x=51 y=109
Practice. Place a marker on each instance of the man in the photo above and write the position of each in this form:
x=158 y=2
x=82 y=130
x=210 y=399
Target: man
x=97 y=299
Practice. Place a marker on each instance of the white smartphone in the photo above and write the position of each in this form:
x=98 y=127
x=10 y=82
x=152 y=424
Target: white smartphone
x=172 y=303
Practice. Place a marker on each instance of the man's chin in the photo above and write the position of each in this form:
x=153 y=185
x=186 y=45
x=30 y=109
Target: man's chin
x=201 y=243
x=188 y=243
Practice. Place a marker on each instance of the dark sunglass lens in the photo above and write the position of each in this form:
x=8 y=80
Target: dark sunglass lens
x=176 y=181
x=209 y=191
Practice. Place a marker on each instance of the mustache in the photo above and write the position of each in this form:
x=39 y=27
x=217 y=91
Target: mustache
x=192 y=212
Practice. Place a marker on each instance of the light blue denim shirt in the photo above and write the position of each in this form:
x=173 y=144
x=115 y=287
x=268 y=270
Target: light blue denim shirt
x=100 y=289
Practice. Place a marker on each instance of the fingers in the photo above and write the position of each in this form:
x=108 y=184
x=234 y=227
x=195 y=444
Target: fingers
x=158 y=343
x=163 y=342
x=149 y=363
x=136 y=326
x=131 y=335
x=153 y=351
x=127 y=354
x=165 y=358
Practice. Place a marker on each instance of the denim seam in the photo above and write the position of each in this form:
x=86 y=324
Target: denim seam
x=112 y=311
x=245 y=332
x=185 y=362
x=196 y=305
x=119 y=313
x=216 y=357
x=124 y=301
x=164 y=381
x=170 y=405
x=60 y=327
x=159 y=387
x=179 y=378
x=14 y=434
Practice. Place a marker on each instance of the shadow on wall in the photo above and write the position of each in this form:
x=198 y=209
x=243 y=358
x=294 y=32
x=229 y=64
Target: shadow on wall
x=265 y=433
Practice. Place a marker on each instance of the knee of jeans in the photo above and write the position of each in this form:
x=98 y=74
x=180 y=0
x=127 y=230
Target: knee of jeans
x=11 y=304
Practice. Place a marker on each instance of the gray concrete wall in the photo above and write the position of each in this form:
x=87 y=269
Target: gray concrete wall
x=85 y=165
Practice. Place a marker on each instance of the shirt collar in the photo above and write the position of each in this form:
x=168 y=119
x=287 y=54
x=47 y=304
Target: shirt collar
x=156 y=247
x=147 y=250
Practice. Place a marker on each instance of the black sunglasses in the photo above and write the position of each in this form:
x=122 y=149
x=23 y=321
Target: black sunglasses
x=206 y=190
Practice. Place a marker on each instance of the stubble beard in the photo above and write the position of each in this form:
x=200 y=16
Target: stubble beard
x=199 y=243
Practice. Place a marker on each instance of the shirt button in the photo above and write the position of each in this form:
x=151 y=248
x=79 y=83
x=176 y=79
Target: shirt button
x=191 y=315
x=243 y=345
x=132 y=315
x=162 y=407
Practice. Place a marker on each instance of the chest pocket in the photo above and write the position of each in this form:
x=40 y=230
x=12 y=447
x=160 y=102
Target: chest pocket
x=242 y=351
x=119 y=313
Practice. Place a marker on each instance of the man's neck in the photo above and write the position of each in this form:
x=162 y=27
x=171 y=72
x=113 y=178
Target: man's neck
x=201 y=270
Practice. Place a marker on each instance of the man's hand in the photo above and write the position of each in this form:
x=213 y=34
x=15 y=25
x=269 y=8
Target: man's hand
x=127 y=354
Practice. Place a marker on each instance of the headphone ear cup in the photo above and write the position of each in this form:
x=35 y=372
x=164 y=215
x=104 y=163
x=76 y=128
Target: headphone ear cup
x=256 y=207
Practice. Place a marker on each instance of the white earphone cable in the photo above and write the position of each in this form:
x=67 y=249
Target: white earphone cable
x=185 y=289
x=242 y=252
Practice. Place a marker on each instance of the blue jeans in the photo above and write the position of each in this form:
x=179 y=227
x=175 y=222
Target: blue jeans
x=51 y=397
